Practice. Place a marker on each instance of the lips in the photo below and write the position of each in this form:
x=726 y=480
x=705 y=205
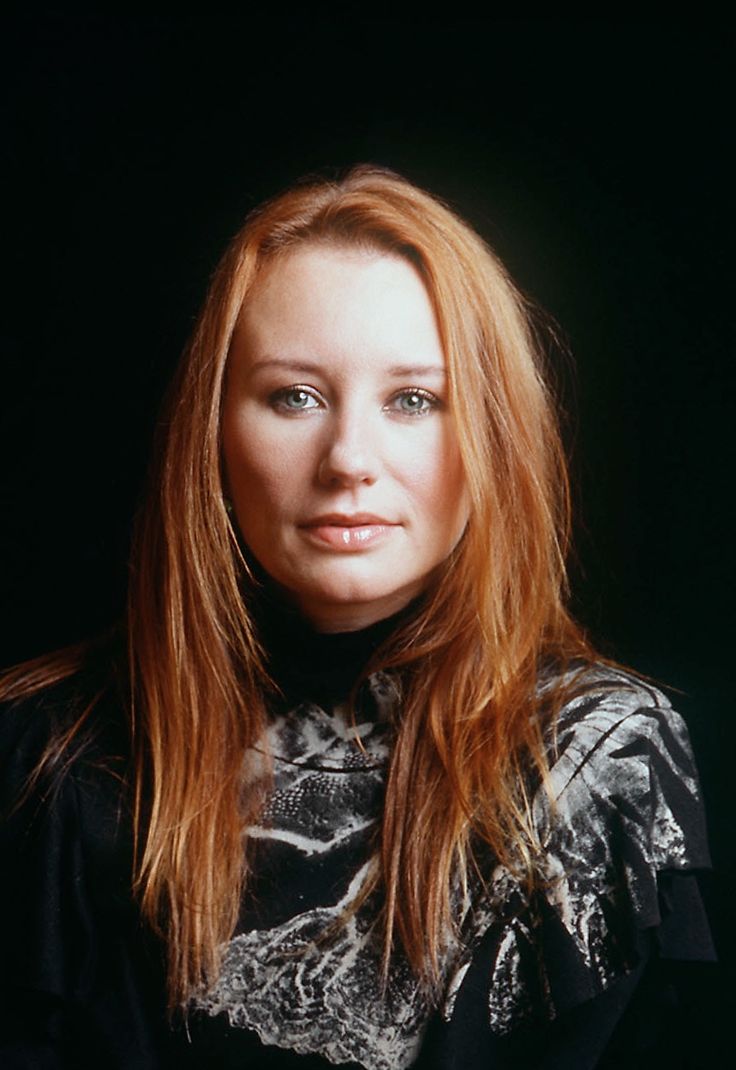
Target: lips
x=347 y=520
x=345 y=532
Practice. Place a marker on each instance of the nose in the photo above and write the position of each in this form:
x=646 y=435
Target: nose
x=350 y=453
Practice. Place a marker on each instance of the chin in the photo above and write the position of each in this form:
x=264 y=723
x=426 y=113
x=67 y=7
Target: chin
x=351 y=606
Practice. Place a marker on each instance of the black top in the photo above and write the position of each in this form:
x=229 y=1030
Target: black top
x=536 y=983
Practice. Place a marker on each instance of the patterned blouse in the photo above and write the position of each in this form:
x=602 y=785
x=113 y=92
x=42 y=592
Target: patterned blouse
x=626 y=809
x=83 y=981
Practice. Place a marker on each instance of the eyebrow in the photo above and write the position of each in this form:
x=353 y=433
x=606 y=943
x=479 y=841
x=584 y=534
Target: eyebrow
x=407 y=371
x=398 y=371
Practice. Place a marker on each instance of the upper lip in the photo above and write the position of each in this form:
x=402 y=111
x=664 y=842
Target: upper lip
x=345 y=520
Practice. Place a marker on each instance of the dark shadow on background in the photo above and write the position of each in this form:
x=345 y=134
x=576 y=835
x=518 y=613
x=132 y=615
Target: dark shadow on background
x=589 y=154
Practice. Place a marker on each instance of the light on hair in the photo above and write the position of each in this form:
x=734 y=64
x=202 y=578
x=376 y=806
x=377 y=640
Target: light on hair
x=469 y=736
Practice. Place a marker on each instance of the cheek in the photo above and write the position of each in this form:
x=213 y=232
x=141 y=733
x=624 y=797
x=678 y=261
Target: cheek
x=264 y=458
x=434 y=477
x=246 y=482
x=259 y=483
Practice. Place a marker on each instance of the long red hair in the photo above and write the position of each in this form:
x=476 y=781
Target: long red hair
x=471 y=724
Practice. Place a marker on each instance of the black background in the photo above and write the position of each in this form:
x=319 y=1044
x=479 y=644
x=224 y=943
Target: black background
x=592 y=155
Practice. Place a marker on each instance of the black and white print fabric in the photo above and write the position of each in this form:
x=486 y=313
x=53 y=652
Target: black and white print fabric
x=626 y=807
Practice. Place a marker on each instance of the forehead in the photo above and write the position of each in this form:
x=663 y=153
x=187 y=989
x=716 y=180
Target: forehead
x=329 y=299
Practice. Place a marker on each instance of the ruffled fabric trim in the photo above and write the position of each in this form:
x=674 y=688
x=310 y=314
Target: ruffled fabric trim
x=627 y=811
x=625 y=831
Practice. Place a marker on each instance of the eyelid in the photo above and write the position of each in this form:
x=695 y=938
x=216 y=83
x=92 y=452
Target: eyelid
x=434 y=402
x=277 y=398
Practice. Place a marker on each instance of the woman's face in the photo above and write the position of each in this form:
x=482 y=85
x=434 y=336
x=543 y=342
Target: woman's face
x=340 y=449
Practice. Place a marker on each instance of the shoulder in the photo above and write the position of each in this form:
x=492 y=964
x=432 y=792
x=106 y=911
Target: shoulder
x=605 y=704
x=622 y=773
x=68 y=922
x=64 y=760
x=619 y=818
x=66 y=739
x=29 y=725
x=49 y=694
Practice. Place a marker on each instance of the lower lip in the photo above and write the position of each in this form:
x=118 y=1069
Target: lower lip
x=348 y=539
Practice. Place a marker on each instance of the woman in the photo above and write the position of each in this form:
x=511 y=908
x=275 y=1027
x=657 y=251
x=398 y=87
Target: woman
x=356 y=789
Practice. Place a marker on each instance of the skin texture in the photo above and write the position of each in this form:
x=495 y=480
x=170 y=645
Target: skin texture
x=339 y=445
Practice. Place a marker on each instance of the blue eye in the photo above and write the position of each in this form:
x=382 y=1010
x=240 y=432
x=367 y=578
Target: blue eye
x=294 y=399
x=414 y=402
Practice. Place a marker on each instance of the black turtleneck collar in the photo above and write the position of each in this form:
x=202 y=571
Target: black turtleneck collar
x=312 y=666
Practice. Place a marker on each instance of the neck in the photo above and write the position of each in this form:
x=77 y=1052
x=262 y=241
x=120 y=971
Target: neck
x=312 y=665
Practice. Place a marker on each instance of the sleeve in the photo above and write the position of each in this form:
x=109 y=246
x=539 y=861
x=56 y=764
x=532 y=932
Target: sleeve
x=74 y=989
x=626 y=818
x=623 y=837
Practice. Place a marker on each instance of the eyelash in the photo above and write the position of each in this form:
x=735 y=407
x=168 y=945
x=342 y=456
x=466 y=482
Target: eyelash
x=279 y=400
x=433 y=402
